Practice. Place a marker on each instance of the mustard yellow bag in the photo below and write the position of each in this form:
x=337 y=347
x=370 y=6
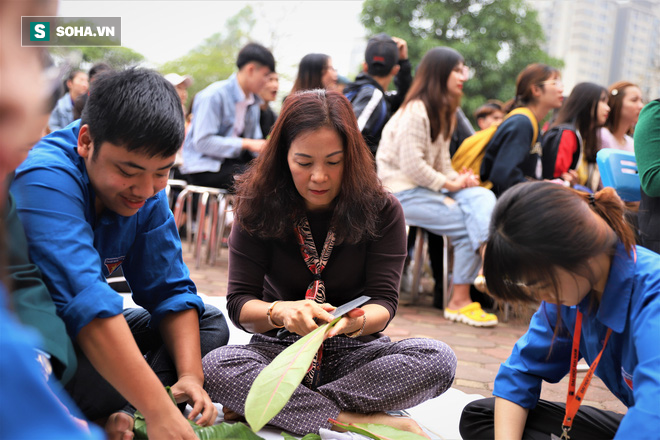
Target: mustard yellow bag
x=471 y=152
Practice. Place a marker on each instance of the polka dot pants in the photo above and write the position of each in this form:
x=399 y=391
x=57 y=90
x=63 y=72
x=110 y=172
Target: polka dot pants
x=356 y=376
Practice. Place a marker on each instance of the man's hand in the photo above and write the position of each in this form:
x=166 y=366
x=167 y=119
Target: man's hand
x=170 y=425
x=402 y=46
x=190 y=389
x=254 y=145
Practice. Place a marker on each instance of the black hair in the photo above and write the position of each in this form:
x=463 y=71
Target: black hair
x=98 y=68
x=254 y=52
x=311 y=69
x=430 y=86
x=72 y=74
x=581 y=109
x=529 y=237
x=137 y=109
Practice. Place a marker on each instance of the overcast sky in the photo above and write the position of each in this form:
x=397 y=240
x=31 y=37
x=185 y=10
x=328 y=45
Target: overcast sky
x=165 y=30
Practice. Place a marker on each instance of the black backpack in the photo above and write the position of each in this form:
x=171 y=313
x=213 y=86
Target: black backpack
x=550 y=145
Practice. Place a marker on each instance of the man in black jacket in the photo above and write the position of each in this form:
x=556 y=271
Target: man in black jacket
x=386 y=58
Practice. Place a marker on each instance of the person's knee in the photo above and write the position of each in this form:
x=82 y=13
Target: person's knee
x=477 y=419
x=439 y=361
x=213 y=328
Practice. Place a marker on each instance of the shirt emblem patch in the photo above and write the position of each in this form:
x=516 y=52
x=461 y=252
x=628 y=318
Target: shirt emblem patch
x=113 y=263
x=627 y=378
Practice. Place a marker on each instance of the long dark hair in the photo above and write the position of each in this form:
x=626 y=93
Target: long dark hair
x=267 y=201
x=430 y=87
x=532 y=75
x=539 y=226
x=310 y=71
x=581 y=109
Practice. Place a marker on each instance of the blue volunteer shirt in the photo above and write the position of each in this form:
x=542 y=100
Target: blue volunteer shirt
x=25 y=392
x=630 y=365
x=76 y=251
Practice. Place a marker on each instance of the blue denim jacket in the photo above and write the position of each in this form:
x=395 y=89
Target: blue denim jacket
x=210 y=139
x=62 y=114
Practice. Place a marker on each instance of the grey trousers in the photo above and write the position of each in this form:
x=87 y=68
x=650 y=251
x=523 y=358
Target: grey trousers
x=356 y=376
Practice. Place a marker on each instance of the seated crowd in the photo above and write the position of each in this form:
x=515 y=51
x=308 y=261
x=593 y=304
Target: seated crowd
x=323 y=195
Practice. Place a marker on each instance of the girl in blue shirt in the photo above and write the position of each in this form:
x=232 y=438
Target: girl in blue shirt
x=575 y=253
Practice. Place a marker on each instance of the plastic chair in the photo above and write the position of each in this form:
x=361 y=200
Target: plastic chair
x=618 y=169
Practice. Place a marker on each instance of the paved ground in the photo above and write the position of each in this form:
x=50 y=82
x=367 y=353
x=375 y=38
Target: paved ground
x=480 y=351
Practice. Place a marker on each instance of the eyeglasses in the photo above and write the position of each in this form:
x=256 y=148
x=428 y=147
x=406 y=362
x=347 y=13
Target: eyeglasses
x=555 y=82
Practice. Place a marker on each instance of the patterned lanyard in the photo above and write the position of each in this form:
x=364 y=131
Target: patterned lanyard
x=573 y=399
x=316 y=289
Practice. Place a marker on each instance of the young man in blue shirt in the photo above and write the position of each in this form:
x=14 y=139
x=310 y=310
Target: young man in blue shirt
x=91 y=199
x=225 y=134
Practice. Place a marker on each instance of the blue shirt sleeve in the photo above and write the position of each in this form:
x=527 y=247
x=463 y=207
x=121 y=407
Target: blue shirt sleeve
x=539 y=355
x=208 y=118
x=52 y=207
x=23 y=384
x=154 y=267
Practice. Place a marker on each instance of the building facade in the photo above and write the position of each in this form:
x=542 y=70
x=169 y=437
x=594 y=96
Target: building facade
x=604 y=41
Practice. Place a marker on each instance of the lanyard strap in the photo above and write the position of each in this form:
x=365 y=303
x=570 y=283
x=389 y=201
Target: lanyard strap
x=574 y=399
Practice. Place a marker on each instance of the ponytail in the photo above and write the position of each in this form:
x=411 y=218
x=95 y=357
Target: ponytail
x=609 y=206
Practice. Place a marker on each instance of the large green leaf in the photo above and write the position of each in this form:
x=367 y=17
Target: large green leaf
x=288 y=436
x=237 y=431
x=273 y=387
x=378 y=432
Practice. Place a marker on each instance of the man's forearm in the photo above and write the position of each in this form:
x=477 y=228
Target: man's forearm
x=109 y=345
x=180 y=332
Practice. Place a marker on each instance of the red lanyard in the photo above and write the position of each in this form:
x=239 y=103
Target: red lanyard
x=573 y=400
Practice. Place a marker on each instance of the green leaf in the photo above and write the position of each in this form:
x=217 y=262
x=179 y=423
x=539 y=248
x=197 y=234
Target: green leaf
x=237 y=431
x=273 y=387
x=378 y=432
x=288 y=436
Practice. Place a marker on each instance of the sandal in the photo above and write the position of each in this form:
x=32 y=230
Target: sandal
x=472 y=314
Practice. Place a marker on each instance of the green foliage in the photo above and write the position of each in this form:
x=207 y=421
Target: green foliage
x=497 y=38
x=273 y=387
x=378 y=432
x=215 y=58
x=307 y=437
x=236 y=431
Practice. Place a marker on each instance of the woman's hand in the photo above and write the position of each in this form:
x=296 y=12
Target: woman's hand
x=349 y=323
x=571 y=177
x=465 y=179
x=298 y=316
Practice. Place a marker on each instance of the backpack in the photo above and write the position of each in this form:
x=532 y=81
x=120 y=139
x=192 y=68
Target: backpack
x=551 y=140
x=471 y=152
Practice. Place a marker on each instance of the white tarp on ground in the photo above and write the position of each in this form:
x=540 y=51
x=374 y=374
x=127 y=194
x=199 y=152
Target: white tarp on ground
x=439 y=416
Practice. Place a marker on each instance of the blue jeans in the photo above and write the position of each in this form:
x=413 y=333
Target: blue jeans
x=463 y=216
